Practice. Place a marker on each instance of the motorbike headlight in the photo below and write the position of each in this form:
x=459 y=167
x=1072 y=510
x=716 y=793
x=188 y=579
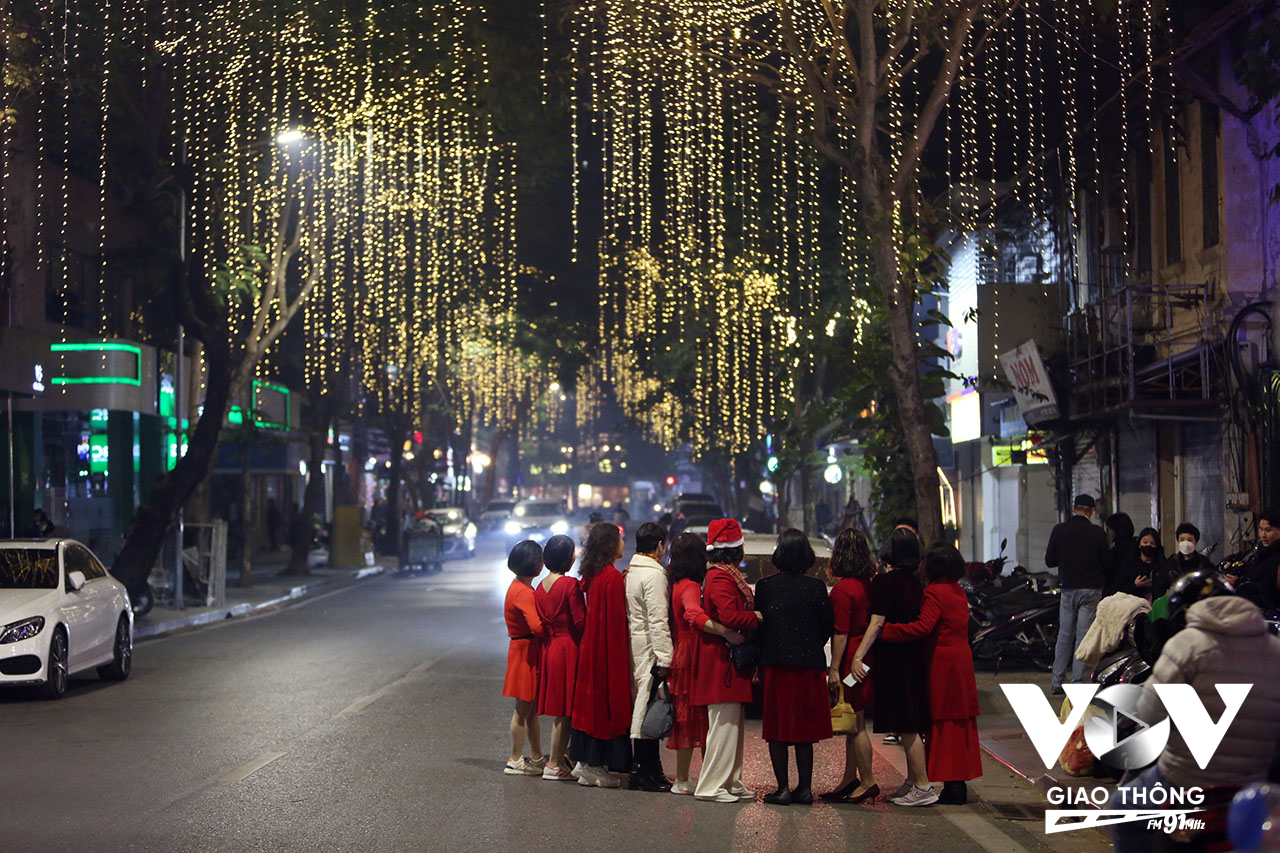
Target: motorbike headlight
x=560 y=528
x=470 y=531
x=513 y=528
x=23 y=629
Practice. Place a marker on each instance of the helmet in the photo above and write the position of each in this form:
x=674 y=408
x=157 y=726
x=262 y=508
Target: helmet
x=1196 y=586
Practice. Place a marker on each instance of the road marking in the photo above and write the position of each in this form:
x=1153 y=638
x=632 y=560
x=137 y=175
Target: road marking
x=980 y=829
x=360 y=704
x=365 y=701
x=244 y=771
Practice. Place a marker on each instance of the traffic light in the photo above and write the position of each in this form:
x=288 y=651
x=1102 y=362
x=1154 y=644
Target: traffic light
x=671 y=481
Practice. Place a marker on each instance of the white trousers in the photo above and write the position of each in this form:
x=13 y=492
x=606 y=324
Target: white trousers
x=641 y=684
x=722 y=758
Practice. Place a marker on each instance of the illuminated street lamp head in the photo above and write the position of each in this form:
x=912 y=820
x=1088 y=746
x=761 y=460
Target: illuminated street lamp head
x=289 y=136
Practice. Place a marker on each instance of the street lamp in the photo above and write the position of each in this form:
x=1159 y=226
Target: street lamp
x=289 y=136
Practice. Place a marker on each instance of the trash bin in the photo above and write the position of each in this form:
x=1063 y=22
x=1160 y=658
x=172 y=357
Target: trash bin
x=422 y=551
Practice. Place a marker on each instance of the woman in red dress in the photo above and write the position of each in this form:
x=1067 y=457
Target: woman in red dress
x=717 y=684
x=951 y=747
x=793 y=639
x=689 y=729
x=560 y=605
x=526 y=630
x=600 y=742
x=851 y=562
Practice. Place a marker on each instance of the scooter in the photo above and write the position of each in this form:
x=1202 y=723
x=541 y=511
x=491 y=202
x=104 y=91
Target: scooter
x=1022 y=626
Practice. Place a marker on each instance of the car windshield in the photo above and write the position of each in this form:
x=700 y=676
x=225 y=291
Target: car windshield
x=543 y=508
x=701 y=520
x=28 y=568
x=499 y=506
x=757 y=566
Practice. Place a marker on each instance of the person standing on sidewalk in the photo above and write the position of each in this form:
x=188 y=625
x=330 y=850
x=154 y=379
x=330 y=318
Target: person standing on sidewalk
x=524 y=657
x=560 y=604
x=599 y=741
x=1078 y=549
x=727 y=599
x=651 y=650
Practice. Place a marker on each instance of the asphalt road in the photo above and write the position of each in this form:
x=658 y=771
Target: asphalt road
x=371 y=719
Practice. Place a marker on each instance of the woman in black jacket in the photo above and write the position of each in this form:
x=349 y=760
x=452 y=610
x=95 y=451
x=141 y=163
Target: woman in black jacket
x=1124 y=545
x=1136 y=575
x=793 y=634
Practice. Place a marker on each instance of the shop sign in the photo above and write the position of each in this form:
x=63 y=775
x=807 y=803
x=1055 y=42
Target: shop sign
x=1025 y=371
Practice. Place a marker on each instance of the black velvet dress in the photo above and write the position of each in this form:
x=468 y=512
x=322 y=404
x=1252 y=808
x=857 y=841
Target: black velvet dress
x=900 y=673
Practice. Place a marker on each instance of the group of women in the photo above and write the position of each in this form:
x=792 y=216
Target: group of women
x=900 y=653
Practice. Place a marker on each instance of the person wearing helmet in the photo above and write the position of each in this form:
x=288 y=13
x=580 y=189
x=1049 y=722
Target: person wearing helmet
x=1168 y=614
x=1225 y=641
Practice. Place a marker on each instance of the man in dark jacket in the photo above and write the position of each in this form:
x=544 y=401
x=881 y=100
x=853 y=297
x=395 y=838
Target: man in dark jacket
x=1257 y=580
x=1078 y=549
x=1184 y=560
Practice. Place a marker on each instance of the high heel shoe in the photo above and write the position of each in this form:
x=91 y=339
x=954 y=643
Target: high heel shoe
x=841 y=793
x=780 y=797
x=802 y=798
x=868 y=796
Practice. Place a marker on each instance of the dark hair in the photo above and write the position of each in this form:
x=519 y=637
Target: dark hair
x=649 y=536
x=793 y=554
x=851 y=556
x=1187 y=527
x=726 y=556
x=1270 y=515
x=688 y=558
x=1152 y=532
x=906 y=521
x=943 y=561
x=902 y=551
x=603 y=542
x=1121 y=524
x=525 y=559
x=557 y=554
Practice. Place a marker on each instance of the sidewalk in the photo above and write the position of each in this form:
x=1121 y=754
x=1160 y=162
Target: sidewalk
x=1002 y=737
x=270 y=590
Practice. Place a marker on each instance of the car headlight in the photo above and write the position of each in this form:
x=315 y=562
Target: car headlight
x=451 y=530
x=560 y=528
x=23 y=629
x=513 y=528
x=471 y=531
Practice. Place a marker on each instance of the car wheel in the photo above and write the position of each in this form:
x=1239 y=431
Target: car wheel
x=122 y=658
x=55 y=683
x=145 y=601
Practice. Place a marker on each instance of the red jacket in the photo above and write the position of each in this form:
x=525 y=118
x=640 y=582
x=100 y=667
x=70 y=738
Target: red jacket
x=714 y=678
x=602 y=694
x=944 y=625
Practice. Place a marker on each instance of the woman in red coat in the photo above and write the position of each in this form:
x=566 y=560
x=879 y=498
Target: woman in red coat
x=717 y=685
x=951 y=746
x=560 y=604
x=601 y=738
x=851 y=562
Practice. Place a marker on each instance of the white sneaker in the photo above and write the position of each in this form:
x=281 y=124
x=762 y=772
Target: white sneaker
x=722 y=796
x=578 y=767
x=678 y=787
x=535 y=766
x=557 y=774
x=892 y=740
x=519 y=767
x=597 y=777
x=917 y=796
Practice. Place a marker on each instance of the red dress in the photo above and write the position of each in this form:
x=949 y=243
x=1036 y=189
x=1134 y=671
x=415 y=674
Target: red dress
x=715 y=681
x=689 y=729
x=526 y=630
x=951 y=745
x=602 y=693
x=563 y=610
x=852 y=606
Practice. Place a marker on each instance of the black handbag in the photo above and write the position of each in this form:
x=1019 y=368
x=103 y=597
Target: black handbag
x=659 y=716
x=745 y=657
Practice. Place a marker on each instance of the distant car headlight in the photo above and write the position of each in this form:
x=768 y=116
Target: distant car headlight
x=23 y=629
x=451 y=530
x=513 y=528
x=470 y=531
x=560 y=528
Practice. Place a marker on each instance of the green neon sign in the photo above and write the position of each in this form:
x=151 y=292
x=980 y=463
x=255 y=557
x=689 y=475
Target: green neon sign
x=100 y=347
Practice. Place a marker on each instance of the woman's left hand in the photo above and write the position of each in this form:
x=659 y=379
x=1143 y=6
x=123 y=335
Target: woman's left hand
x=858 y=670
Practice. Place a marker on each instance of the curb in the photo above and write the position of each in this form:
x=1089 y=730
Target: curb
x=148 y=630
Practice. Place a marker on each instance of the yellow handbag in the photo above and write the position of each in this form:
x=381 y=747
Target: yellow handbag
x=844 y=720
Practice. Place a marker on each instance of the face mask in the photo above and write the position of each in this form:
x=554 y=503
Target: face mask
x=1150 y=551
x=1186 y=548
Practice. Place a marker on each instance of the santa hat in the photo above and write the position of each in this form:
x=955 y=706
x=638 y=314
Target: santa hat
x=724 y=533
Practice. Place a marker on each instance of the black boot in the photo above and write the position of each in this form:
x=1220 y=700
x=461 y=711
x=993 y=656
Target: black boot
x=953 y=794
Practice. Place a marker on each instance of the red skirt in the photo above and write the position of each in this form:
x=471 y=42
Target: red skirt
x=522 y=670
x=797 y=707
x=689 y=728
x=859 y=696
x=557 y=675
x=951 y=751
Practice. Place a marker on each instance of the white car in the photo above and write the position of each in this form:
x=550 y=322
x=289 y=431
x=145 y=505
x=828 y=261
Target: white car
x=536 y=520
x=757 y=558
x=60 y=613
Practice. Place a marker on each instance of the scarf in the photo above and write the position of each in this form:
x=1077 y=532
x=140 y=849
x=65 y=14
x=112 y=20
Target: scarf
x=743 y=586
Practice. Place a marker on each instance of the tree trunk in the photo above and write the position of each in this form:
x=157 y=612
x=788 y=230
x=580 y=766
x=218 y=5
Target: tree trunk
x=808 y=497
x=312 y=500
x=904 y=371
x=491 y=475
x=151 y=525
x=395 y=474
x=246 y=509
